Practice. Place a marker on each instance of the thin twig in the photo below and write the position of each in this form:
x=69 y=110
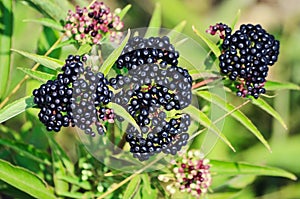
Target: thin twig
x=17 y=87
x=117 y=186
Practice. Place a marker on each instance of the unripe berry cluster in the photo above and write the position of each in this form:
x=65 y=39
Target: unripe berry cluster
x=153 y=86
x=90 y=25
x=246 y=55
x=76 y=97
x=191 y=173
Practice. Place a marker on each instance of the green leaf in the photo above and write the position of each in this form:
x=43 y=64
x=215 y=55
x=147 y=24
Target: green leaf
x=109 y=62
x=177 y=29
x=146 y=183
x=84 y=49
x=124 y=11
x=26 y=150
x=24 y=180
x=76 y=181
x=46 y=22
x=238 y=168
x=65 y=43
x=68 y=194
x=6 y=32
x=16 y=108
x=50 y=8
x=236 y=19
x=132 y=187
x=273 y=86
x=44 y=60
x=155 y=22
x=266 y=107
x=237 y=114
x=213 y=47
x=41 y=76
x=200 y=117
x=121 y=111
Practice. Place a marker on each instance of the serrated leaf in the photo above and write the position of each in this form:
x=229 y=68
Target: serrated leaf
x=237 y=114
x=24 y=180
x=84 y=49
x=6 y=21
x=50 y=8
x=16 y=108
x=26 y=150
x=109 y=62
x=266 y=107
x=236 y=19
x=46 y=22
x=176 y=30
x=132 y=187
x=44 y=60
x=155 y=22
x=213 y=47
x=124 y=11
x=272 y=86
x=121 y=111
x=200 y=117
x=41 y=76
x=237 y=168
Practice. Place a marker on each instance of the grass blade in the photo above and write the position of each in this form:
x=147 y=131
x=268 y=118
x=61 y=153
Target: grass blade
x=24 y=180
x=200 y=117
x=41 y=76
x=44 y=60
x=16 y=108
x=236 y=19
x=213 y=47
x=238 y=168
x=155 y=22
x=124 y=11
x=109 y=62
x=238 y=115
x=266 y=107
x=5 y=44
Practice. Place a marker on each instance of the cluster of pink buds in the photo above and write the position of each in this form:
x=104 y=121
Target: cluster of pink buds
x=220 y=29
x=190 y=174
x=91 y=25
x=109 y=115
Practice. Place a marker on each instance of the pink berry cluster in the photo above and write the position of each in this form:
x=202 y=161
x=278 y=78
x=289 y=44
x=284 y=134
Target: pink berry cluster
x=91 y=25
x=190 y=174
x=220 y=29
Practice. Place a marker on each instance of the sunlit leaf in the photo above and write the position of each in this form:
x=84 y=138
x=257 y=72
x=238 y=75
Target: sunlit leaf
x=238 y=168
x=132 y=187
x=124 y=11
x=15 y=108
x=109 y=62
x=237 y=114
x=272 y=85
x=44 y=60
x=24 y=180
x=203 y=119
x=155 y=22
x=41 y=76
x=84 y=49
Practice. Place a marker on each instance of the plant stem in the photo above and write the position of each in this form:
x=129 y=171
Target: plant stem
x=17 y=87
x=205 y=82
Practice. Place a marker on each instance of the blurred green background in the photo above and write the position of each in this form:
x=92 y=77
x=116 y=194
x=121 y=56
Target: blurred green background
x=281 y=18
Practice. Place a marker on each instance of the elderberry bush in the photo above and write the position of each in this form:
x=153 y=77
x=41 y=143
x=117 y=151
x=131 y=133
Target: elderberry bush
x=77 y=97
x=246 y=55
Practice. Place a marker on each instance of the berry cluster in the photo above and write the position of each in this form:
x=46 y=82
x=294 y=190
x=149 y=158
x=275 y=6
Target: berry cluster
x=246 y=56
x=191 y=173
x=154 y=84
x=77 y=97
x=90 y=25
x=139 y=51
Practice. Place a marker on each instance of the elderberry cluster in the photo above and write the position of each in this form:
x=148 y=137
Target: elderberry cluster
x=76 y=97
x=153 y=86
x=246 y=55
